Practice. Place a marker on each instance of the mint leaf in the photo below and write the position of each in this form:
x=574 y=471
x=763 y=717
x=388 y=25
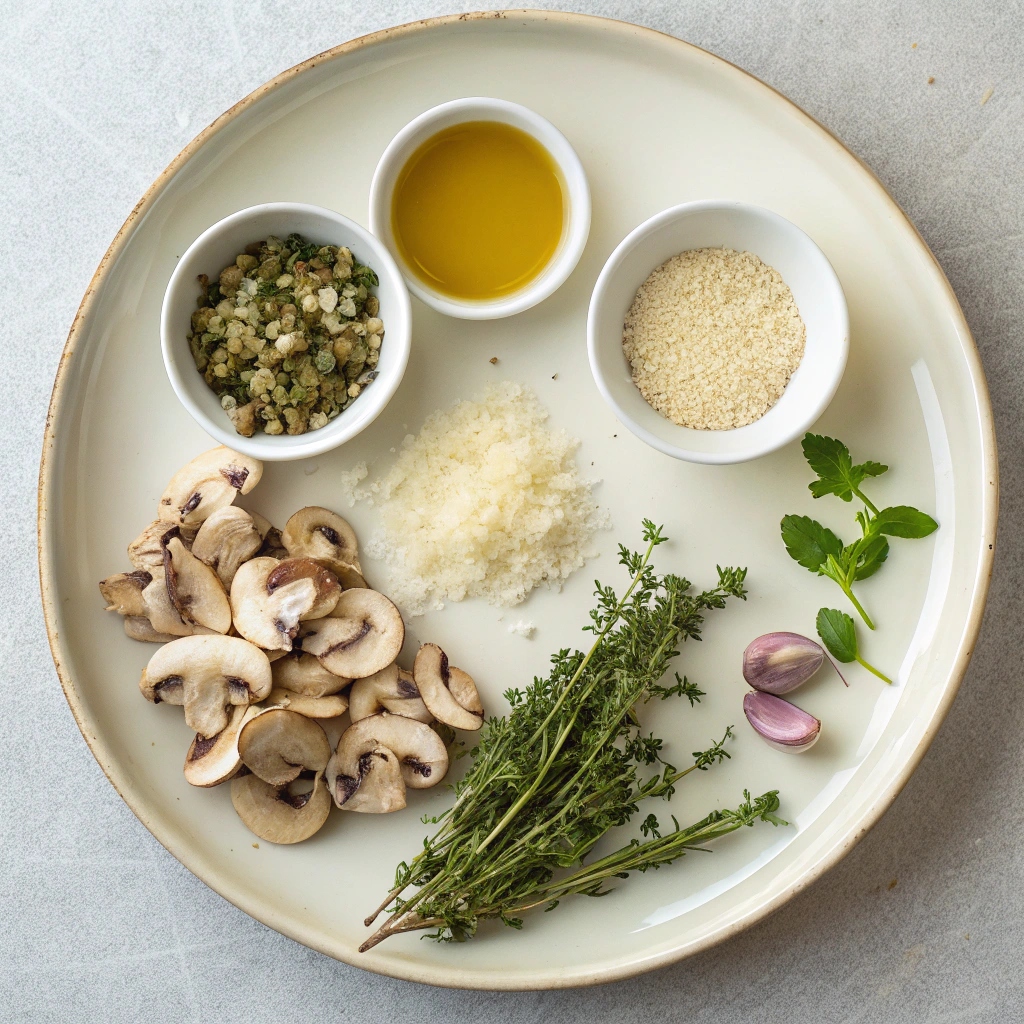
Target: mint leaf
x=868 y=469
x=830 y=459
x=871 y=558
x=837 y=474
x=808 y=542
x=904 y=521
x=838 y=633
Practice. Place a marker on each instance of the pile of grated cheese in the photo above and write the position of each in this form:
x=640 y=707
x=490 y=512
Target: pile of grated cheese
x=484 y=502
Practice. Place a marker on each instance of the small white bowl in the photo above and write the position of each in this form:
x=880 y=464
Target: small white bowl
x=217 y=247
x=576 y=193
x=780 y=244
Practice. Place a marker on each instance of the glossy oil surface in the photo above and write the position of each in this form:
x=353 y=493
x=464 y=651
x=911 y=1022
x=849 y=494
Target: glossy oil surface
x=478 y=210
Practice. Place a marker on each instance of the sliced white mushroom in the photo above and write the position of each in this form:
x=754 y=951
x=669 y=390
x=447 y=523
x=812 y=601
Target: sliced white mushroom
x=210 y=762
x=278 y=745
x=331 y=706
x=124 y=591
x=464 y=690
x=269 y=598
x=350 y=577
x=450 y=694
x=302 y=673
x=363 y=635
x=138 y=627
x=380 y=789
x=209 y=482
x=271 y=536
x=272 y=546
x=207 y=675
x=281 y=814
x=319 y=533
x=262 y=524
x=227 y=539
x=162 y=614
x=147 y=550
x=392 y=689
x=194 y=588
x=421 y=757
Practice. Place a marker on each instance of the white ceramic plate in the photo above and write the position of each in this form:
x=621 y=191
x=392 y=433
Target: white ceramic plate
x=656 y=123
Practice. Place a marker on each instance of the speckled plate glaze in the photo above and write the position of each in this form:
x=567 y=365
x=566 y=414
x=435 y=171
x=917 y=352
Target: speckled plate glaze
x=656 y=122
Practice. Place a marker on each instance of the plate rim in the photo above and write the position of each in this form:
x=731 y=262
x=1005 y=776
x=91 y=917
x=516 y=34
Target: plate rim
x=552 y=978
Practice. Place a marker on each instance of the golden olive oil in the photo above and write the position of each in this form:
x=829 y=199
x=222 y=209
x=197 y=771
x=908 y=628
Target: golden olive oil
x=478 y=210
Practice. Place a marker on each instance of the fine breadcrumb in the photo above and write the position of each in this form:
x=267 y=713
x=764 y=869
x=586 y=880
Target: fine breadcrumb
x=713 y=337
x=484 y=502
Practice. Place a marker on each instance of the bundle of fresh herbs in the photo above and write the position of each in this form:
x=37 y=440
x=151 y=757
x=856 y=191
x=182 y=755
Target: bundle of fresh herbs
x=551 y=779
x=818 y=549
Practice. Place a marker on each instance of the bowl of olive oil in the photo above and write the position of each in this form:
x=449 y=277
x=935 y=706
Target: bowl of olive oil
x=485 y=206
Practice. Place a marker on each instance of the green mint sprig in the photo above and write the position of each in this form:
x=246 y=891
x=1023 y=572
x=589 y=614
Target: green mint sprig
x=820 y=550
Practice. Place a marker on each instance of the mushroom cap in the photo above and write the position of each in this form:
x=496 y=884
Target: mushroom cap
x=269 y=598
x=363 y=635
x=315 y=532
x=227 y=539
x=331 y=706
x=138 y=627
x=147 y=550
x=262 y=523
x=194 y=588
x=123 y=592
x=275 y=813
x=349 y=576
x=463 y=689
x=210 y=762
x=302 y=673
x=380 y=788
x=434 y=679
x=207 y=675
x=421 y=753
x=271 y=536
x=391 y=689
x=279 y=744
x=209 y=482
x=328 y=590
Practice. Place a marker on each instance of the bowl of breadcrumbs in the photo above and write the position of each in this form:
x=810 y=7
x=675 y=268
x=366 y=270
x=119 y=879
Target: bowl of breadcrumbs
x=718 y=332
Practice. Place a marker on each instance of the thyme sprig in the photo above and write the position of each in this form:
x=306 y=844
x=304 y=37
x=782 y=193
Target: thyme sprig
x=550 y=780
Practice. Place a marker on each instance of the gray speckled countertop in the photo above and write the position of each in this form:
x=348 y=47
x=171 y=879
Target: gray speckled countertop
x=924 y=921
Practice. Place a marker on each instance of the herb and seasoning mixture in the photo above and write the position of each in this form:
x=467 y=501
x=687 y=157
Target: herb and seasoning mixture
x=288 y=336
x=712 y=338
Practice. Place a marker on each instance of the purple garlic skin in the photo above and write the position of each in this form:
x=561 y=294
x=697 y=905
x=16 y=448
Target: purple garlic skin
x=780 y=662
x=780 y=724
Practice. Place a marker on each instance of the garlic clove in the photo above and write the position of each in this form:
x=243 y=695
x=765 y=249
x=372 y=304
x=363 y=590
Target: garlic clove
x=780 y=662
x=780 y=724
